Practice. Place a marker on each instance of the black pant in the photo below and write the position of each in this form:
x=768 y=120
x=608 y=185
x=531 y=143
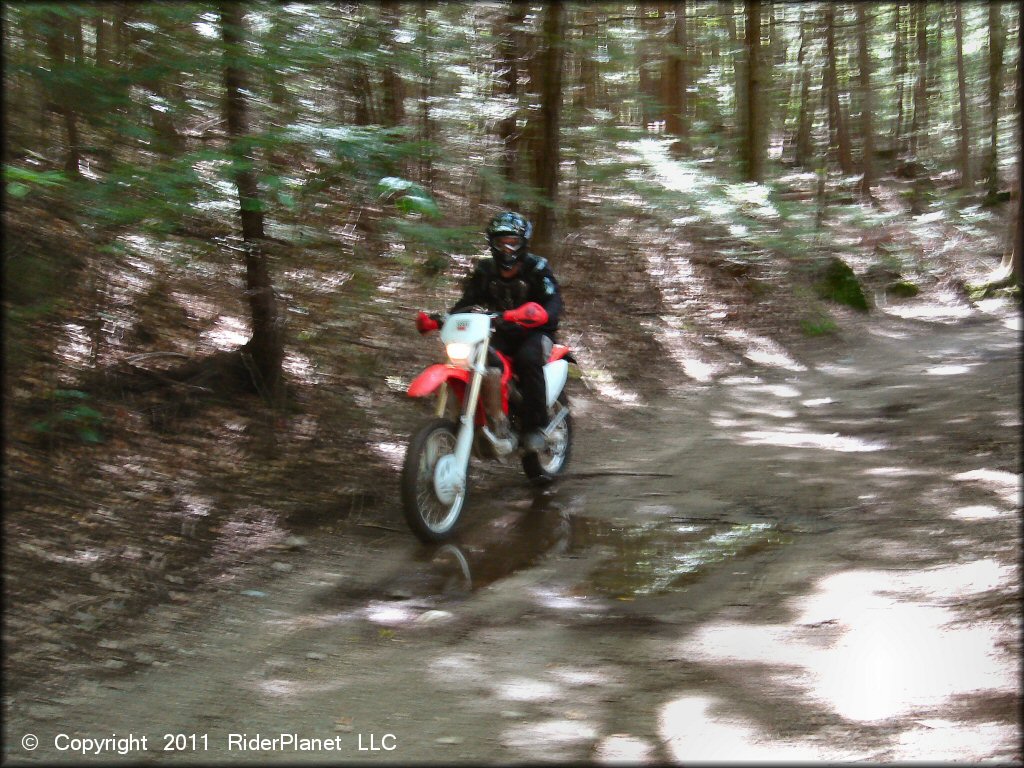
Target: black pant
x=529 y=353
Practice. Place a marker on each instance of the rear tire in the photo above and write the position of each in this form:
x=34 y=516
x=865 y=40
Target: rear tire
x=543 y=467
x=430 y=518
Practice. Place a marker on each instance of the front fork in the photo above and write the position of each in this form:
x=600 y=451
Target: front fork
x=464 y=440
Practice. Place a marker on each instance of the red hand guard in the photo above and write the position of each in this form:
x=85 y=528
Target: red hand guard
x=425 y=323
x=529 y=315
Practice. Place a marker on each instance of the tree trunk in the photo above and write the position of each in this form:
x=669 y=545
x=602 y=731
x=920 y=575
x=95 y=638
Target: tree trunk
x=919 y=127
x=738 y=68
x=966 y=179
x=508 y=87
x=61 y=96
x=804 y=148
x=264 y=352
x=866 y=100
x=675 y=83
x=546 y=156
x=426 y=164
x=995 y=83
x=755 y=128
x=900 y=70
x=837 y=124
x=394 y=87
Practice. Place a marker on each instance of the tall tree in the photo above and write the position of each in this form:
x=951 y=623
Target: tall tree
x=866 y=99
x=900 y=71
x=426 y=164
x=675 y=81
x=965 y=131
x=753 y=145
x=919 y=126
x=805 y=117
x=62 y=95
x=837 y=123
x=391 y=79
x=264 y=352
x=508 y=33
x=546 y=154
x=995 y=83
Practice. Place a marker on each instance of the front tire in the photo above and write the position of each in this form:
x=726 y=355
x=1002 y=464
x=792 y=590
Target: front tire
x=549 y=463
x=431 y=515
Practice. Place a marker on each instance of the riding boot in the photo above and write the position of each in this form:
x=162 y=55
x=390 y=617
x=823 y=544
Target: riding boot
x=490 y=396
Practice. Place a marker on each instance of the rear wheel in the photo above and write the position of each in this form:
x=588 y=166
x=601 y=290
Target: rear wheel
x=433 y=493
x=544 y=466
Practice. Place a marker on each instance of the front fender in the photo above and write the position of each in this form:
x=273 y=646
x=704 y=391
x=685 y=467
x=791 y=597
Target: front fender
x=434 y=376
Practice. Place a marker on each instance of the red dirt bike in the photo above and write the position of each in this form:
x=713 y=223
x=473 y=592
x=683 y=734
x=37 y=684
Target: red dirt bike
x=476 y=415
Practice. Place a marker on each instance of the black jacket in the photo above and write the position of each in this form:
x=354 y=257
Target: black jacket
x=534 y=282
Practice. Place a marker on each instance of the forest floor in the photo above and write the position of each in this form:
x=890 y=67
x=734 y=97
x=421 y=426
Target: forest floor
x=752 y=511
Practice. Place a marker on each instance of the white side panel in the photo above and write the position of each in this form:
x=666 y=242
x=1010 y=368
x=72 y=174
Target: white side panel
x=555 y=375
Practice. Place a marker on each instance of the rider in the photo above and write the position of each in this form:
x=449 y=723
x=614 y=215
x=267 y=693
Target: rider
x=522 y=286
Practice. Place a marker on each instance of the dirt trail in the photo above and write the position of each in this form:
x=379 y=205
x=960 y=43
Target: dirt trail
x=813 y=562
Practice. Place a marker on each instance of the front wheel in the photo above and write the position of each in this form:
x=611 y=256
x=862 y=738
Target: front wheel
x=433 y=488
x=549 y=463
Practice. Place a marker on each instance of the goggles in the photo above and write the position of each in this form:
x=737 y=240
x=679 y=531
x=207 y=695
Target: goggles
x=508 y=243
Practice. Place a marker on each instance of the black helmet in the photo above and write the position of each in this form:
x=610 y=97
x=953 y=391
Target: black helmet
x=508 y=235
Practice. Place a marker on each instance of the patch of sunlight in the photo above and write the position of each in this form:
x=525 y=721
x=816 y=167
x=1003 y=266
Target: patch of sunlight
x=196 y=506
x=735 y=381
x=754 y=197
x=549 y=740
x=317 y=281
x=817 y=401
x=279 y=688
x=625 y=749
x=552 y=599
x=393 y=453
x=394 y=284
x=145 y=245
x=979 y=512
x=764 y=351
x=527 y=689
x=301 y=368
x=950 y=370
x=227 y=333
x=954 y=581
x=678 y=175
x=871 y=651
x=1007 y=484
x=775 y=412
x=696 y=729
x=991 y=477
x=778 y=390
x=895 y=472
x=948 y=310
x=76 y=347
x=580 y=677
x=389 y=613
x=933 y=740
x=674 y=341
x=604 y=383
x=794 y=439
x=459 y=668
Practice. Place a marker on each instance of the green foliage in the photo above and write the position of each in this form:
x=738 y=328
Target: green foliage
x=903 y=289
x=838 y=283
x=408 y=197
x=22 y=181
x=155 y=198
x=71 y=416
x=435 y=241
x=818 y=325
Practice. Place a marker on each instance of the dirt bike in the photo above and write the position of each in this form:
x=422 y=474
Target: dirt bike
x=476 y=414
